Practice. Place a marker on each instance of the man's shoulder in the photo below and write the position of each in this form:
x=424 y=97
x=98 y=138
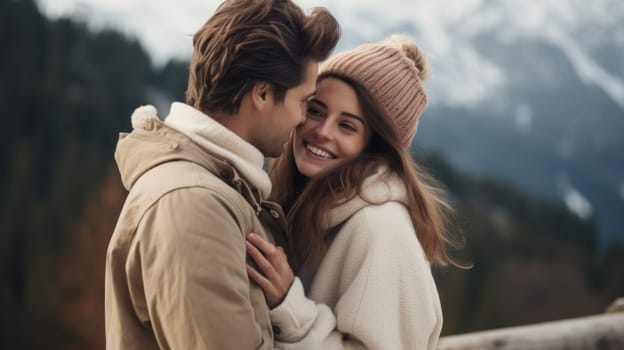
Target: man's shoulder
x=180 y=176
x=186 y=190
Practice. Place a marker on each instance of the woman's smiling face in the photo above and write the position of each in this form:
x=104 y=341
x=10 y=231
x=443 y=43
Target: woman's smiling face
x=335 y=130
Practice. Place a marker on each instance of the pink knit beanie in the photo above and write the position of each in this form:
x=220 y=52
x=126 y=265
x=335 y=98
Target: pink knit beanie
x=392 y=71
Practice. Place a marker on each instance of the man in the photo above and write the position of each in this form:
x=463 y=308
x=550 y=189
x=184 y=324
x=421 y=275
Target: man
x=176 y=265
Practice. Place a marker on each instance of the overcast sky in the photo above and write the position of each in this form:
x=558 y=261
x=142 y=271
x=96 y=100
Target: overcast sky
x=443 y=29
x=165 y=27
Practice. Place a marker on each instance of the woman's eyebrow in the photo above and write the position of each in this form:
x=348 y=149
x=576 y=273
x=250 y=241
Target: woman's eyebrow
x=346 y=114
x=349 y=115
x=317 y=101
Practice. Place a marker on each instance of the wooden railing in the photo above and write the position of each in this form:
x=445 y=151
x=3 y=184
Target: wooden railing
x=601 y=332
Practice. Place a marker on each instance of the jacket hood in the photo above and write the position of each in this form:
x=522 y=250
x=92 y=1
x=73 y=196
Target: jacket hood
x=188 y=134
x=214 y=138
x=380 y=187
x=152 y=143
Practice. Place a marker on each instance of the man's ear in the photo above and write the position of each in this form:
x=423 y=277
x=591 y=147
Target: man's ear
x=260 y=94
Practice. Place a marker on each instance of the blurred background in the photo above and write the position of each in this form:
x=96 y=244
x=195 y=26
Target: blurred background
x=525 y=130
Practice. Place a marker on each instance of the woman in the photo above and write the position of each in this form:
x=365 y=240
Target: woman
x=366 y=223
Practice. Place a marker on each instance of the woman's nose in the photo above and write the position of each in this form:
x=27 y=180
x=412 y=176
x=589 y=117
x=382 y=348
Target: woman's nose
x=323 y=130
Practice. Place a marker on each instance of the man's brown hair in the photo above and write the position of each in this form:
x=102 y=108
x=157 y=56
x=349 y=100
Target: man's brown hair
x=250 y=41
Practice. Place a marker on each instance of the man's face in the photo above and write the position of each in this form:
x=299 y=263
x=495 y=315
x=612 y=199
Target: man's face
x=283 y=117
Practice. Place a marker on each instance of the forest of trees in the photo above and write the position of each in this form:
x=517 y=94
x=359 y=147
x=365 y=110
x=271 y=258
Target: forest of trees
x=65 y=94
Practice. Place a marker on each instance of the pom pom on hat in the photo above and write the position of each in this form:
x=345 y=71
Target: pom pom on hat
x=392 y=71
x=405 y=44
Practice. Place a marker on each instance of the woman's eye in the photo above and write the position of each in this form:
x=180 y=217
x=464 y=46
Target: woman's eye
x=348 y=127
x=314 y=113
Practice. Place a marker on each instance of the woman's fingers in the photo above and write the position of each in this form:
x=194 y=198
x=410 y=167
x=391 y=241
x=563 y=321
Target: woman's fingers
x=265 y=247
x=259 y=278
x=281 y=260
x=277 y=276
x=265 y=265
x=275 y=255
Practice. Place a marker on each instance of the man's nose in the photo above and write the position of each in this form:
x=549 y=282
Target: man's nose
x=303 y=116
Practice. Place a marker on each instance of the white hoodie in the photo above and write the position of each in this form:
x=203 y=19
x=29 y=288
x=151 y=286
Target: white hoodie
x=373 y=288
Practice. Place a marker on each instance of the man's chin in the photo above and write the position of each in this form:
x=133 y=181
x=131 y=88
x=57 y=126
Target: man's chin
x=275 y=153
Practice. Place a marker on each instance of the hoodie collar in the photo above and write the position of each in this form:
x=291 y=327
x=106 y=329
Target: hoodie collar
x=380 y=187
x=216 y=139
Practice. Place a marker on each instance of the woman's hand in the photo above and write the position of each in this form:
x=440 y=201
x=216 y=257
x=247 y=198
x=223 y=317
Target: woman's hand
x=276 y=276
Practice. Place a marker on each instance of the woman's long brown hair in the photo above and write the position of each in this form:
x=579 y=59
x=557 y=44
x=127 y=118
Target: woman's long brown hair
x=308 y=201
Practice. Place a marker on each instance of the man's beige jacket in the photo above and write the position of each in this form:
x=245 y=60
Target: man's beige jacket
x=175 y=268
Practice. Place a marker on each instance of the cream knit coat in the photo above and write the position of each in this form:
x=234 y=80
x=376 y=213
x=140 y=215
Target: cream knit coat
x=373 y=288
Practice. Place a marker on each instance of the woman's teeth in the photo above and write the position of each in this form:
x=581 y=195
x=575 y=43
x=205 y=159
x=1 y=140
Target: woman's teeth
x=317 y=151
